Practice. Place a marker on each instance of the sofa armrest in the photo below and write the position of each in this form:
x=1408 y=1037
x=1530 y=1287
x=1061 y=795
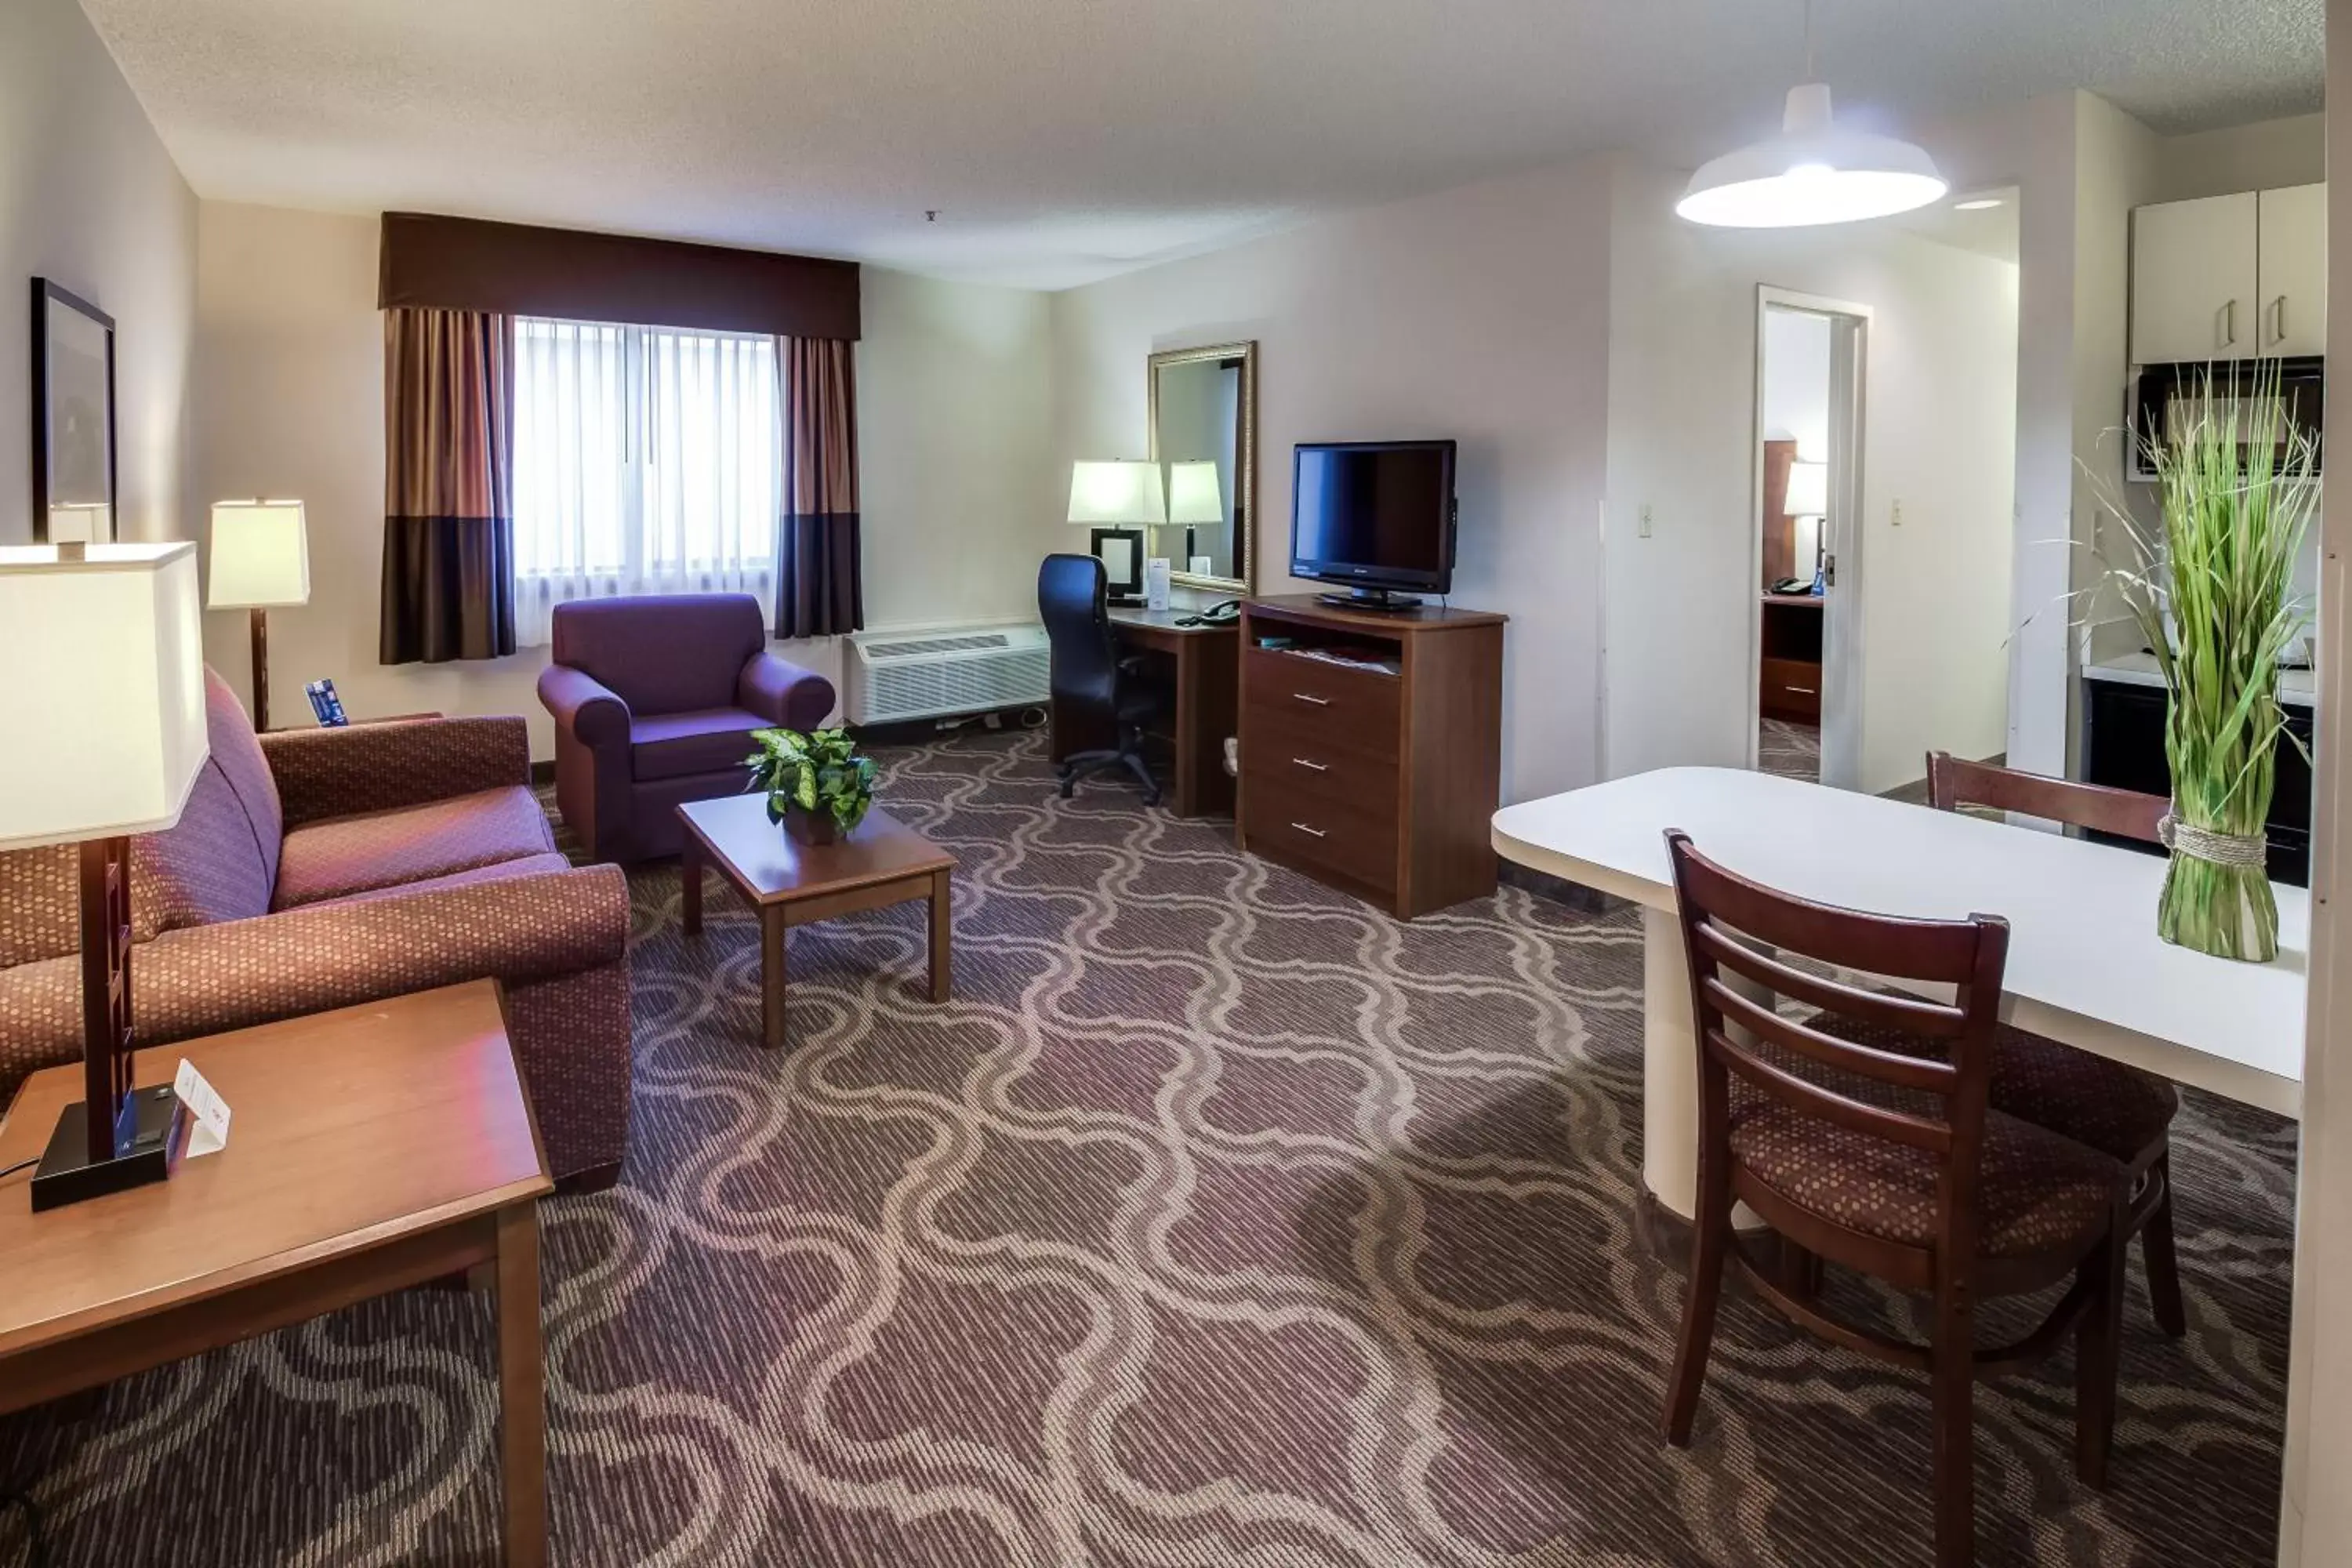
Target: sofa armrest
x=377 y=767
x=783 y=693
x=584 y=708
x=201 y=980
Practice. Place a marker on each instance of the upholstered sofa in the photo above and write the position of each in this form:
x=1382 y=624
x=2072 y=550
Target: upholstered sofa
x=321 y=868
x=654 y=700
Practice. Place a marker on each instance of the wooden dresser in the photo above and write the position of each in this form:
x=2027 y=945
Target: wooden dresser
x=1377 y=776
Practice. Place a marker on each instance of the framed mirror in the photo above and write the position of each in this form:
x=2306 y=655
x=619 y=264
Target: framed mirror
x=1204 y=435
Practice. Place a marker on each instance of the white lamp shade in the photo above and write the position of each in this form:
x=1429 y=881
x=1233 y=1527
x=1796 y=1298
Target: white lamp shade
x=1808 y=490
x=104 y=707
x=1122 y=493
x=1814 y=172
x=1193 y=494
x=261 y=556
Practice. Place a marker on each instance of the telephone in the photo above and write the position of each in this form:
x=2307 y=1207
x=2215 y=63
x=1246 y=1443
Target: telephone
x=1223 y=615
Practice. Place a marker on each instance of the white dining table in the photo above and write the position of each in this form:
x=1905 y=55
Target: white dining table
x=2085 y=964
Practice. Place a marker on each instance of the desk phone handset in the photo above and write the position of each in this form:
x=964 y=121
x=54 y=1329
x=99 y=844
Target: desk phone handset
x=1222 y=615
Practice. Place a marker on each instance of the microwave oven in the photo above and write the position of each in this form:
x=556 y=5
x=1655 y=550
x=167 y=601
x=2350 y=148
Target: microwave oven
x=2169 y=399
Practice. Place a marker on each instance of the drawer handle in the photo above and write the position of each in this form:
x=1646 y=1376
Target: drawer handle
x=1319 y=701
x=1805 y=690
x=1316 y=767
x=1310 y=832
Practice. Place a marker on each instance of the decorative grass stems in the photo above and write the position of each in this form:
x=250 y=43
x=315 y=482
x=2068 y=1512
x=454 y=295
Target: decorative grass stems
x=2213 y=595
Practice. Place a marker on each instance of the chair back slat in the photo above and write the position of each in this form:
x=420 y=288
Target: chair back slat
x=2128 y=814
x=1825 y=1105
x=1927 y=1075
x=1904 y=1013
x=1942 y=951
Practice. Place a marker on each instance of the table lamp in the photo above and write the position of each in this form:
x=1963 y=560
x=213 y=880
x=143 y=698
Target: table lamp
x=1808 y=497
x=260 y=560
x=105 y=701
x=1121 y=497
x=1194 y=497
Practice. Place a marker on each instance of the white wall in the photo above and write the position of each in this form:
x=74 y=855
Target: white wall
x=1939 y=438
x=2264 y=156
x=954 y=467
x=1479 y=313
x=89 y=199
x=1797 y=381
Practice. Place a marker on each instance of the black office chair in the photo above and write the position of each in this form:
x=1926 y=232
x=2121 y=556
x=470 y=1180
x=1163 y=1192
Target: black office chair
x=1089 y=678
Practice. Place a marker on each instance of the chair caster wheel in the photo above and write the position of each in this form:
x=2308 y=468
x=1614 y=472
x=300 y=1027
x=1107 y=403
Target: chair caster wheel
x=1065 y=787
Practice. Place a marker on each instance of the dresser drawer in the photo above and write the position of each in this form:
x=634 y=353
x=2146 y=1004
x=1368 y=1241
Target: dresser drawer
x=1791 y=689
x=1339 y=775
x=1322 y=703
x=1356 y=840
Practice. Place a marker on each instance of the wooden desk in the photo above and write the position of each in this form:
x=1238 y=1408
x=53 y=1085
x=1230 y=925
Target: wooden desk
x=370 y=1149
x=1203 y=710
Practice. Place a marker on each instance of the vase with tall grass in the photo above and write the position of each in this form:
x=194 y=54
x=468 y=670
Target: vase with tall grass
x=2212 y=593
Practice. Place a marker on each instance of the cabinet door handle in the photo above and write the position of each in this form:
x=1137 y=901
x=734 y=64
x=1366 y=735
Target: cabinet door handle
x=1313 y=767
x=2278 y=321
x=2228 y=323
x=1310 y=832
x=1319 y=701
x=1804 y=690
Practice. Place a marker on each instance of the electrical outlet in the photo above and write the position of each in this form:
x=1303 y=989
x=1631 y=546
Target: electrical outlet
x=1645 y=519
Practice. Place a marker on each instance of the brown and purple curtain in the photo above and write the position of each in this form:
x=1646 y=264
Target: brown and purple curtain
x=448 y=524
x=819 y=581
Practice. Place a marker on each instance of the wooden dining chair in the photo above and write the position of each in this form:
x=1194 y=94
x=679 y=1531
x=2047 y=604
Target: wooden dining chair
x=2116 y=1110
x=1893 y=1165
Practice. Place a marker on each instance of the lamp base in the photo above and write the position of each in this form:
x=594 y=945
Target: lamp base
x=149 y=1139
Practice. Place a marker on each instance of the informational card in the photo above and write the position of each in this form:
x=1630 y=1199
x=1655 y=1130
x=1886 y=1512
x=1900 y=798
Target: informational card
x=1155 y=582
x=207 y=1112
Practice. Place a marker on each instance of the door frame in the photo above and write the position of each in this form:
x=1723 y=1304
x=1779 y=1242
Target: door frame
x=1842 y=532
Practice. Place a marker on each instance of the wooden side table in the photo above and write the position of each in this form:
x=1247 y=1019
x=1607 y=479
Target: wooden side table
x=370 y=1149
x=794 y=884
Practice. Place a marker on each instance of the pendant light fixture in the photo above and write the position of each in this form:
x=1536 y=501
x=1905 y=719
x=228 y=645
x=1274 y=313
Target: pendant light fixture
x=1814 y=172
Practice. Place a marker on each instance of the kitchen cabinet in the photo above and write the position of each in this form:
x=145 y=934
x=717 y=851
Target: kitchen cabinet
x=2195 y=278
x=2231 y=278
x=2123 y=747
x=2294 y=270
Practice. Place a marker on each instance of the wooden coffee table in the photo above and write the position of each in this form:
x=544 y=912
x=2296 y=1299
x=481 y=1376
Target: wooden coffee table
x=370 y=1149
x=794 y=884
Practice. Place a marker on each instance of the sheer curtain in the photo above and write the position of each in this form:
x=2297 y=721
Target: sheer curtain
x=646 y=461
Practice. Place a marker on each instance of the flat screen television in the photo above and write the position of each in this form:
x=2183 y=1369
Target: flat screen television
x=1378 y=516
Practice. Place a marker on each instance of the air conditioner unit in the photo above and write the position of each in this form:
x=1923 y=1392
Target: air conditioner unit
x=932 y=674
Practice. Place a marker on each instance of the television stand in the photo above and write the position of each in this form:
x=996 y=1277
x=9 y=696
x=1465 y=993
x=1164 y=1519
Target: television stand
x=1371 y=599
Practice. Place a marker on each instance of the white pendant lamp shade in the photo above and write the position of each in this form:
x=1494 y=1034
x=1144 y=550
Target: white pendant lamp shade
x=1814 y=172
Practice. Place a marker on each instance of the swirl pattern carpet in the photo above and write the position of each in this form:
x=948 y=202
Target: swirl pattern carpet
x=1218 y=1220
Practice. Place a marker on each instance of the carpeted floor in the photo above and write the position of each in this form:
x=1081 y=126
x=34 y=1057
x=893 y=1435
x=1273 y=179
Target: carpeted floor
x=1218 y=1220
x=1790 y=750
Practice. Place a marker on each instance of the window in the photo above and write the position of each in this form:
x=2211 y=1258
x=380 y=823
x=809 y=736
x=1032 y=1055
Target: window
x=646 y=461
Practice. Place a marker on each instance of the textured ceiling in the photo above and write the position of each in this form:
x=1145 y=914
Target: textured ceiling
x=1066 y=139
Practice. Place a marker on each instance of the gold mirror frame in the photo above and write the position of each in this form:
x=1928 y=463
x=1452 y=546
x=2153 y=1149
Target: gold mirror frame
x=1245 y=456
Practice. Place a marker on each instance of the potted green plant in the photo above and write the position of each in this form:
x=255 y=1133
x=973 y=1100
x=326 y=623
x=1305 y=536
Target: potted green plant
x=817 y=784
x=2213 y=595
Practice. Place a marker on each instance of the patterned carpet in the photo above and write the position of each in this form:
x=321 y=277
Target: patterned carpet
x=1219 y=1220
x=1792 y=750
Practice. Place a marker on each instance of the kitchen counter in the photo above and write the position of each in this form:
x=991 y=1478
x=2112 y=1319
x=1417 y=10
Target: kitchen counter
x=2297 y=687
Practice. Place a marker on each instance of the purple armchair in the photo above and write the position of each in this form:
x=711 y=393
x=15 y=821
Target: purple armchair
x=654 y=701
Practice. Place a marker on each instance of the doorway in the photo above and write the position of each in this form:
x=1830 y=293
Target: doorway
x=1810 y=354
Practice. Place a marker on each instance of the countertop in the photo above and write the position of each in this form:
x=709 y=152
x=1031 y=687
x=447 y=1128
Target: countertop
x=2297 y=687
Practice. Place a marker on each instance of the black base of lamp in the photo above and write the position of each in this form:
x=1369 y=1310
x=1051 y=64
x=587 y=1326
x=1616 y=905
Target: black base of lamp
x=147 y=1141
x=1127 y=588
